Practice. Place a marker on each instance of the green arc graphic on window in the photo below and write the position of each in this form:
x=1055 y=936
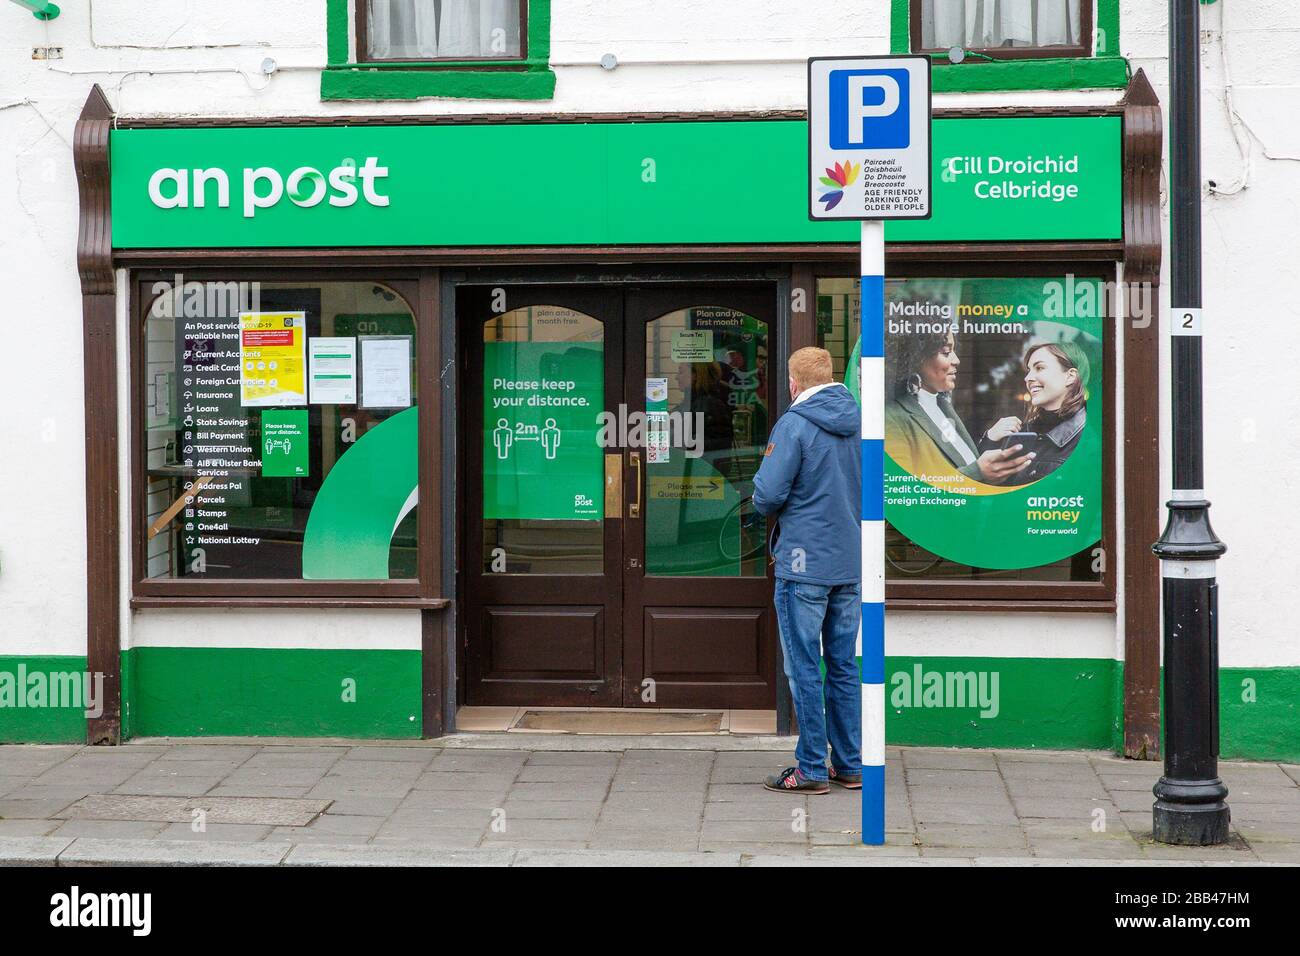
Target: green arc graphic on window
x=363 y=499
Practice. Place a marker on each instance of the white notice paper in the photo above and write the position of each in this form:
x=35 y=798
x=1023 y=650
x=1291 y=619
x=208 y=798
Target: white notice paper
x=332 y=370
x=385 y=371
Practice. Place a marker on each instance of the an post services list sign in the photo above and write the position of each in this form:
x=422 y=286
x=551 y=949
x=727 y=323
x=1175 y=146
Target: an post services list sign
x=869 y=137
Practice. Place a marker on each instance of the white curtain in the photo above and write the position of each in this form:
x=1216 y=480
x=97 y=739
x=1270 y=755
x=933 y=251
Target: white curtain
x=426 y=29
x=976 y=24
x=479 y=28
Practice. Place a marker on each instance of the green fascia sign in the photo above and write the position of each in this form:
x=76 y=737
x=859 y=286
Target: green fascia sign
x=995 y=178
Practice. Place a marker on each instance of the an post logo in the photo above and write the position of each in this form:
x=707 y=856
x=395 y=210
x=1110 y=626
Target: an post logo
x=265 y=186
x=869 y=109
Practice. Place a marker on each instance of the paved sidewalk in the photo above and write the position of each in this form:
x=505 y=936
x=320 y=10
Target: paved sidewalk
x=542 y=799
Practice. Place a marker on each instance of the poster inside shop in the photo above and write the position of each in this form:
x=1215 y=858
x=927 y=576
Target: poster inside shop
x=332 y=368
x=993 y=417
x=541 y=454
x=272 y=356
x=658 y=438
x=385 y=371
x=285 y=443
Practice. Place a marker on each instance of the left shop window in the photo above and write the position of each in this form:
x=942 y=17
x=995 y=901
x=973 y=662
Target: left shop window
x=278 y=436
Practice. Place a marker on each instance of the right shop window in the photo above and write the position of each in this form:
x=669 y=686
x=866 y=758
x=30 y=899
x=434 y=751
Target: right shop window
x=995 y=424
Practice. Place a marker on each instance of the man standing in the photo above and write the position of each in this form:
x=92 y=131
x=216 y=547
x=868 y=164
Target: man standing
x=811 y=480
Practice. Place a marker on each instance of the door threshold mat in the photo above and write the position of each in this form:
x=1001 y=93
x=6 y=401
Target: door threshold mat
x=259 y=811
x=620 y=722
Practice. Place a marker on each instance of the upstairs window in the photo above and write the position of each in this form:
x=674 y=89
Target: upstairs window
x=452 y=30
x=1003 y=29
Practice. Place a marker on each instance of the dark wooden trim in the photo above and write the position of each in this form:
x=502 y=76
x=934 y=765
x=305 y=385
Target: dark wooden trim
x=1083 y=49
x=361 y=30
x=433 y=676
x=142 y=602
x=95 y=226
x=803 y=324
x=99 y=358
x=1143 y=231
x=474 y=256
x=275 y=588
x=528 y=119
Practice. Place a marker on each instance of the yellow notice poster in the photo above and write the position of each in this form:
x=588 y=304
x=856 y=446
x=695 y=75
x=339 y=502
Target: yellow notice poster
x=272 y=359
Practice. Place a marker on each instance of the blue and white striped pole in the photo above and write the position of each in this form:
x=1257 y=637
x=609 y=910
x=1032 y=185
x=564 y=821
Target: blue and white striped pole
x=871 y=638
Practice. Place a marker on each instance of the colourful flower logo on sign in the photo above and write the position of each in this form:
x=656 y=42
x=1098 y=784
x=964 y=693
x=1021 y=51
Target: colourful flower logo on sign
x=836 y=179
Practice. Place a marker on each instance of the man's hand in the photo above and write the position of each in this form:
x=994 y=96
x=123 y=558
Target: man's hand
x=1002 y=463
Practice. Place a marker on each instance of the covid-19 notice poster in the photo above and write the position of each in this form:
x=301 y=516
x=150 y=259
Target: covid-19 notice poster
x=272 y=359
x=541 y=456
x=994 y=417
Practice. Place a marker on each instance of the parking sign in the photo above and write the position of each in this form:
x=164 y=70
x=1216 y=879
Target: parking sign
x=869 y=137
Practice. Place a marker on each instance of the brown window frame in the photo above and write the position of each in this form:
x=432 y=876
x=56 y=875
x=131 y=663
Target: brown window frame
x=1083 y=50
x=950 y=594
x=361 y=30
x=419 y=288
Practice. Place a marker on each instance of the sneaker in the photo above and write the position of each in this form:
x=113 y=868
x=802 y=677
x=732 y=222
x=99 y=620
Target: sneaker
x=791 y=780
x=849 y=781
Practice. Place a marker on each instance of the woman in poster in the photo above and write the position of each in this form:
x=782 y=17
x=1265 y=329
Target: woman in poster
x=923 y=432
x=1056 y=377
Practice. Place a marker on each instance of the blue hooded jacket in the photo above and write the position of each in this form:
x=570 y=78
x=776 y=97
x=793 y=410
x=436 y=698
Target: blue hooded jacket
x=811 y=479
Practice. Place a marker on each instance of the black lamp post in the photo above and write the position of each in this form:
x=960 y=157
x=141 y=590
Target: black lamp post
x=1190 y=807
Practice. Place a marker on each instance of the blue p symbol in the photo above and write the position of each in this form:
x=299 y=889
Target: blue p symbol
x=870 y=109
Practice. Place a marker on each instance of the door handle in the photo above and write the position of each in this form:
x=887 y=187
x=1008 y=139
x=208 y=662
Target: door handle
x=634 y=509
x=614 y=486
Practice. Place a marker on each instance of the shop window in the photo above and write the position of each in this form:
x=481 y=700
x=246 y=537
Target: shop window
x=1003 y=29
x=408 y=49
x=429 y=30
x=976 y=366
x=278 y=434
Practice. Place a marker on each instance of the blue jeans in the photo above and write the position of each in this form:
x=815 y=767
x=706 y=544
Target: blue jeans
x=819 y=621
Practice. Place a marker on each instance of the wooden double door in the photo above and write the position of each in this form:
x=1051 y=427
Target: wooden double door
x=613 y=556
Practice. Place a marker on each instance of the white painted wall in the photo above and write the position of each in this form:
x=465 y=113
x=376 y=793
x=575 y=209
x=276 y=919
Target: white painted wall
x=327 y=630
x=183 y=57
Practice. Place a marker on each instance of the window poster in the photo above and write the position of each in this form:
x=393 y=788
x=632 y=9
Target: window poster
x=272 y=359
x=385 y=371
x=332 y=368
x=541 y=455
x=658 y=448
x=284 y=443
x=692 y=345
x=994 y=417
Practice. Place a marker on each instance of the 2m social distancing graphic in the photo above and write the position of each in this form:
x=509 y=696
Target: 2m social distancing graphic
x=869 y=138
